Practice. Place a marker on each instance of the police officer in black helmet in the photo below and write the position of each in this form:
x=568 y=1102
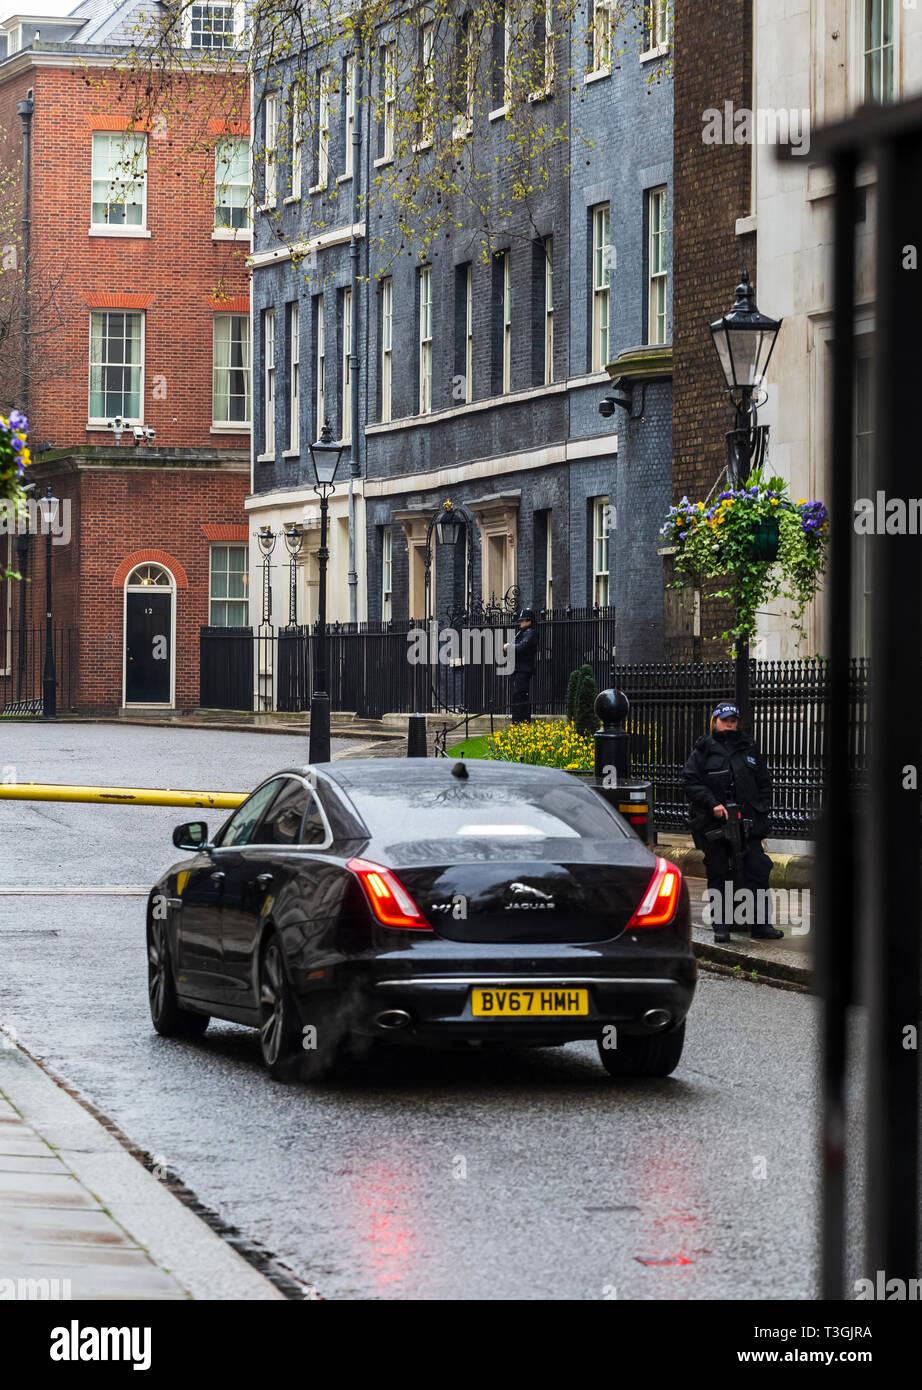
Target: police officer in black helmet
x=526 y=656
x=725 y=768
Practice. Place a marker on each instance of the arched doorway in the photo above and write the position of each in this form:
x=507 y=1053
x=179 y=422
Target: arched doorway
x=150 y=632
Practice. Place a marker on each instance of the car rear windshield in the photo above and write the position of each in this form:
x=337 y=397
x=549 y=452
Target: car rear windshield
x=486 y=812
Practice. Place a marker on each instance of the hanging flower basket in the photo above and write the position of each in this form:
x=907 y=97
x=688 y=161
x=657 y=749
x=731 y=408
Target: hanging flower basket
x=765 y=539
x=757 y=541
x=14 y=455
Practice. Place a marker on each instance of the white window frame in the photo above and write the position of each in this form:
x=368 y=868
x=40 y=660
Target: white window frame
x=425 y=340
x=216 y=421
x=463 y=122
x=323 y=130
x=387 y=573
x=547 y=86
x=212 y=598
x=864 y=53
x=601 y=554
x=346 y=433
x=427 y=74
x=389 y=76
x=549 y=565
x=387 y=348
x=659 y=24
x=269 y=382
x=349 y=97
x=294 y=377
x=657 y=308
x=548 y=310
x=297 y=144
x=601 y=286
x=226 y=184
x=320 y=406
x=603 y=25
x=117 y=180
x=507 y=322
x=508 y=46
x=271 y=149
x=469 y=336
x=235 y=6
x=128 y=419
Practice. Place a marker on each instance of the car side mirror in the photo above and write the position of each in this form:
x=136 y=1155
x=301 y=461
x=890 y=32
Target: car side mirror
x=192 y=835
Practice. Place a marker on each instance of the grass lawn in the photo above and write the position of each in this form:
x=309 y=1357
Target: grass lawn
x=470 y=748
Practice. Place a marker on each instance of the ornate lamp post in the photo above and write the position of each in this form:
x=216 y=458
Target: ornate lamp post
x=325 y=456
x=450 y=523
x=267 y=538
x=48 y=509
x=294 y=539
x=745 y=340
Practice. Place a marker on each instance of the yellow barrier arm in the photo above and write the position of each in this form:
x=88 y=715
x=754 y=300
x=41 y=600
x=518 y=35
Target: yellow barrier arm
x=121 y=796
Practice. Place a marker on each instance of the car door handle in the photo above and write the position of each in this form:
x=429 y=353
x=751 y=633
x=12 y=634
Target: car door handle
x=218 y=876
x=263 y=880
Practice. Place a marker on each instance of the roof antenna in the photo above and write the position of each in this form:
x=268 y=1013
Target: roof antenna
x=460 y=771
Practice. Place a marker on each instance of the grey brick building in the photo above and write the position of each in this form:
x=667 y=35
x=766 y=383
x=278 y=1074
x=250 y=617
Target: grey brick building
x=495 y=384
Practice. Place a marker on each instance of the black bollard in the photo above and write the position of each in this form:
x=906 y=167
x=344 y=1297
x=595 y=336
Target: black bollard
x=631 y=797
x=612 y=742
x=416 y=736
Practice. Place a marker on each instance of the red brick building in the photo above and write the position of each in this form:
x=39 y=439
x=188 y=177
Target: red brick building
x=713 y=239
x=136 y=376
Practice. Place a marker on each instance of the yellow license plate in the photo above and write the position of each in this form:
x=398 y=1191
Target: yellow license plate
x=529 y=1003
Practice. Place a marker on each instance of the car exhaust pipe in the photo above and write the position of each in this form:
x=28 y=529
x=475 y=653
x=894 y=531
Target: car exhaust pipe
x=393 y=1018
x=657 y=1018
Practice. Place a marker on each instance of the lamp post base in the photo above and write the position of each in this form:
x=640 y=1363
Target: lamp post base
x=49 y=697
x=319 y=745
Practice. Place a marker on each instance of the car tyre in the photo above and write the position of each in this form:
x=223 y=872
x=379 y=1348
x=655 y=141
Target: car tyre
x=168 y=1018
x=650 y=1056
x=279 y=1025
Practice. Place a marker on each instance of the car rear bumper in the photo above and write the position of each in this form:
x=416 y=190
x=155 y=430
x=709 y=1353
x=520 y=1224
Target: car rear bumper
x=437 y=1006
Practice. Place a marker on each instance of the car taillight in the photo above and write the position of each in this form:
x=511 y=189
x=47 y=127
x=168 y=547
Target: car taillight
x=658 y=904
x=387 y=897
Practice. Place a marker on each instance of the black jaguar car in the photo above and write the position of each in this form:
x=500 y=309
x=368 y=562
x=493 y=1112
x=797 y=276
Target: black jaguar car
x=423 y=900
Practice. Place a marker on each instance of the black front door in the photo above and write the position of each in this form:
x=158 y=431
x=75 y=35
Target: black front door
x=147 y=648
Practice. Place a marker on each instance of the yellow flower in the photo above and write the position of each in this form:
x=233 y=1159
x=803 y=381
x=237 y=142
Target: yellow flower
x=774 y=501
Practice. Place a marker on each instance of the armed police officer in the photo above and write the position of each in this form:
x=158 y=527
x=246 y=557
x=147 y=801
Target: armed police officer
x=526 y=656
x=729 y=787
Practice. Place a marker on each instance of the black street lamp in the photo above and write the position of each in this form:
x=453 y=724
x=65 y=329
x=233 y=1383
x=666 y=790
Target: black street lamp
x=745 y=340
x=48 y=509
x=325 y=456
x=450 y=523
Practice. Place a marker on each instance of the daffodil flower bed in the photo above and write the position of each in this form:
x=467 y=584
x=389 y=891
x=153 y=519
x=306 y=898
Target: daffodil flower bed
x=719 y=542
x=544 y=743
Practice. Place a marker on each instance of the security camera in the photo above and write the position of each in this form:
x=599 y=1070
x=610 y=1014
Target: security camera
x=622 y=395
x=118 y=428
x=138 y=432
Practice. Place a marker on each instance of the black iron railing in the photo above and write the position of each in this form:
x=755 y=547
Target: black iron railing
x=22 y=663
x=402 y=667
x=671 y=705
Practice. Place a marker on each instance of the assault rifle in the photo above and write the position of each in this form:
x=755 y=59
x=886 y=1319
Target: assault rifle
x=735 y=830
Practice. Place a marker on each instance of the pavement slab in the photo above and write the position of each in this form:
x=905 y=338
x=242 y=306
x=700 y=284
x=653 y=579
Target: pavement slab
x=81 y=1214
